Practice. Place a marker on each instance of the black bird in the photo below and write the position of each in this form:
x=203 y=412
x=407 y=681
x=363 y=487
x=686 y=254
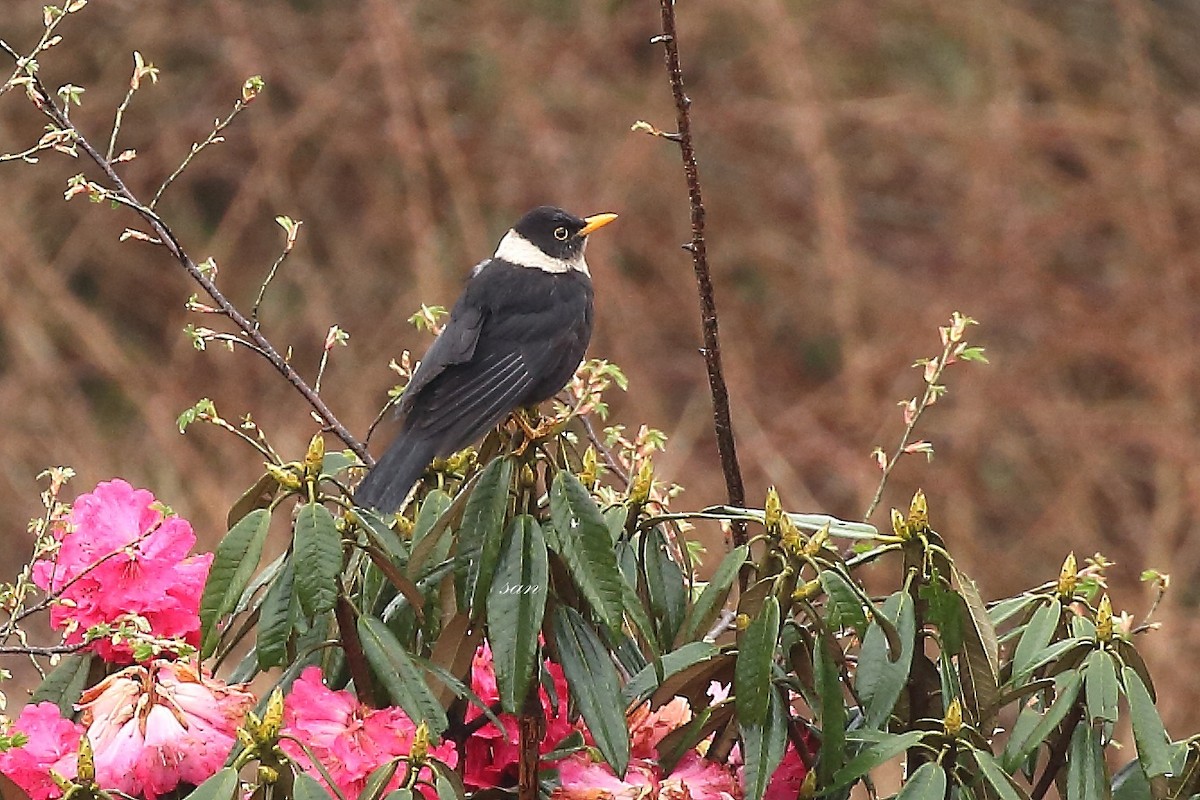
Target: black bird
x=515 y=337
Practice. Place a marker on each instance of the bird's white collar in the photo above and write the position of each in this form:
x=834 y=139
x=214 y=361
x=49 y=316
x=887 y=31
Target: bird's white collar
x=516 y=249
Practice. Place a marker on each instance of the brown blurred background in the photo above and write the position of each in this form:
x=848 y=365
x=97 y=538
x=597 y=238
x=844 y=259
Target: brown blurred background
x=869 y=167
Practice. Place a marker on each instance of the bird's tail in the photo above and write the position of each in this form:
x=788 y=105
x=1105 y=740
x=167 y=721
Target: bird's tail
x=388 y=482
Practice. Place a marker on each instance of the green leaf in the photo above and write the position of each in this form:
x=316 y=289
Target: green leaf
x=403 y=680
x=647 y=680
x=515 y=608
x=233 y=565
x=1018 y=749
x=980 y=646
x=764 y=744
x=997 y=778
x=482 y=531
x=433 y=520
x=880 y=680
x=708 y=605
x=1101 y=689
x=586 y=547
x=259 y=495
x=667 y=587
x=1087 y=774
x=845 y=605
x=318 y=558
x=378 y=780
x=1153 y=744
x=927 y=782
x=594 y=685
x=276 y=619
x=752 y=674
x=220 y=786
x=873 y=756
x=65 y=683
x=832 y=711
x=1038 y=633
x=306 y=787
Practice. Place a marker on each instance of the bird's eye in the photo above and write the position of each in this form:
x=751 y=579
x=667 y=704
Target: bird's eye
x=561 y=233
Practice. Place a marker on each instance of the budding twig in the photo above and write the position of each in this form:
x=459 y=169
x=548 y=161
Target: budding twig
x=722 y=423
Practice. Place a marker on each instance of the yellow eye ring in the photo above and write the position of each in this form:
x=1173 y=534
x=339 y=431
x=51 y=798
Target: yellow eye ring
x=561 y=233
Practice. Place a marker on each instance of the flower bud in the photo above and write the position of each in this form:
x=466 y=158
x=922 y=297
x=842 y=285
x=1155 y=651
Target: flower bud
x=252 y=88
x=315 y=457
x=900 y=526
x=590 y=471
x=1104 y=619
x=953 y=720
x=790 y=537
x=85 y=773
x=286 y=477
x=272 y=720
x=807 y=591
x=773 y=512
x=1067 y=577
x=808 y=787
x=741 y=621
x=528 y=477
x=267 y=775
x=819 y=540
x=918 y=513
x=639 y=490
x=420 y=746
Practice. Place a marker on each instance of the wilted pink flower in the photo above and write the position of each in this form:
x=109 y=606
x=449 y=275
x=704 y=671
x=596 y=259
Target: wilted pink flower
x=119 y=555
x=349 y=739
x=53 y=744
x=491 y=755
x=157 y=726
x=580 y=778
x=647 y=728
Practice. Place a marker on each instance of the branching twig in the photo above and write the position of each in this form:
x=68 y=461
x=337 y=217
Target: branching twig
x=122 y=194
x=708 y=310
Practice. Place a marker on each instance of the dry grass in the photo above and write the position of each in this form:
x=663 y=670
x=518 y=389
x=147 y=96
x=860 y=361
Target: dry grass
x=869 y=167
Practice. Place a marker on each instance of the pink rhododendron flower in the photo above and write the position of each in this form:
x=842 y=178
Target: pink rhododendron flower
x=119 y=555
x=696 y=778
x=786 y=780
x=157 y=726
x=490 y=759
x=53 y=745
x=349 y=739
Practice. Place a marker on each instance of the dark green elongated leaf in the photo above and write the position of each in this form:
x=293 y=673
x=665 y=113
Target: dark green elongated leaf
x=586 y=547
x=515 y=608
x=232 y=567
x=708 y=605
x=1130 y=783
x=259 y=495
x=1101 y=690
x=594 y=684
x=404 y=681
x=927 y=782
x=614 y=518
x=638 y=616
x=65 y=683
x=997 y=778
x=1056 y=650
x=461 y=690
x=1153 y=745
x=318 y=558
x=752 y=675
x=378 y=780
x=873 y=756
x=276 y=619
x=647 y=680
x=433 y=520
x=980 y=645
x=400 y=794
x=1087 y=774
x=880 y=679
x=1008 y=608
x=764 y=744
x=482 y=531
x=1038 y=632
x=832 y=711
x=306 y=787
x=220 y=786
x=1018 y=749
x=667 y=587
x=845 y=606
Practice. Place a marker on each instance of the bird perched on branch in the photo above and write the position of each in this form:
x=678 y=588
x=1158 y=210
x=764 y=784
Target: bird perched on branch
x=515 y=338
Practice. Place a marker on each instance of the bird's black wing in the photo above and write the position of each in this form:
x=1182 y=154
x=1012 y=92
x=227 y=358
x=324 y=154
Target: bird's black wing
x=465 y=400
x=454 y=345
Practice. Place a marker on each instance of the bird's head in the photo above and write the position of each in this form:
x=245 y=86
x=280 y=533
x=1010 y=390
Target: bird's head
x=550 y=239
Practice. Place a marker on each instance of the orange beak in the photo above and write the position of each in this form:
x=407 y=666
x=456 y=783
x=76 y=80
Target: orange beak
x=596 y=222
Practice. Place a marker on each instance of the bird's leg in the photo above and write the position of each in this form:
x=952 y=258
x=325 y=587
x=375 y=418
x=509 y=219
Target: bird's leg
x=533 y=425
